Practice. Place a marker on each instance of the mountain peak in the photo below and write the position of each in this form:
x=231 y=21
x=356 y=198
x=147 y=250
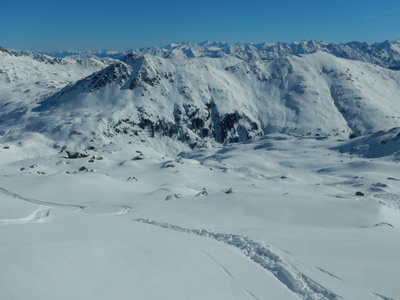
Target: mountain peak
x=5 y=50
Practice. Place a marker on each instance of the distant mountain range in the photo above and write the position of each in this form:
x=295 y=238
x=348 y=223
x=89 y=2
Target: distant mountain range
x=199 y=95
x=385 y=54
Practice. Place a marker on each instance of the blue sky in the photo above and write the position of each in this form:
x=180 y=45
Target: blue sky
x=122 y=25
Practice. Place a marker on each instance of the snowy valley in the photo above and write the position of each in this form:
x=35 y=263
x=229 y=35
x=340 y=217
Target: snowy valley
x=201 y=171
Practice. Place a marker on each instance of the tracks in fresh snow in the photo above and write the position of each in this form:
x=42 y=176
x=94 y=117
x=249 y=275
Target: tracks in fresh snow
x=300 y=284
x=46 y=203
x=382 y=297
x=228 y=274
x=106 y=210
x=100 y=210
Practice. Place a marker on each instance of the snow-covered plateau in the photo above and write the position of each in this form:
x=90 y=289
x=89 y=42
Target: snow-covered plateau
x=191 y=172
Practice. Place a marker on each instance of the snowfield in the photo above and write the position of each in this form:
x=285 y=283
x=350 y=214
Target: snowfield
x=275 y=218
x=199 y=176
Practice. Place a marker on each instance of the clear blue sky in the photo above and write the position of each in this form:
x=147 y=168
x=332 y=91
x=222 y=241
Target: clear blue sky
x=122 y=25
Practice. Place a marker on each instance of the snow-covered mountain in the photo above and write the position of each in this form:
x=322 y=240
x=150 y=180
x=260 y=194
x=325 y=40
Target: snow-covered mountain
x=201 y=101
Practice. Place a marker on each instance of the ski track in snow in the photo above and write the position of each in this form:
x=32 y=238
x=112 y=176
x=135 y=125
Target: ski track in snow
x=38 y=216
x=382 y=297
x=124 y=209
x=264 y=256
x=4 y=191
x=328 y=273
x=227 y=273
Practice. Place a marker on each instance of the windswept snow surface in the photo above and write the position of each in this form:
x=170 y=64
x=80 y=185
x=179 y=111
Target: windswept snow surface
x=274 y=218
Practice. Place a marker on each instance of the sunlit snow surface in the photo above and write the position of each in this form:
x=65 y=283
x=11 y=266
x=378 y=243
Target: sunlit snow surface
x=275 y=218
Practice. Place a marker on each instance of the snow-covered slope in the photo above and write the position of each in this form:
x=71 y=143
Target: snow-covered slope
x=379 y=144
x=26 y=79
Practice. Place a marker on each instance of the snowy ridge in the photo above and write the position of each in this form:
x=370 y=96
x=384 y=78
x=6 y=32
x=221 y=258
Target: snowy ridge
x=264 y=256
x=94 y=81
x=60 y=59
x=87 y=53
